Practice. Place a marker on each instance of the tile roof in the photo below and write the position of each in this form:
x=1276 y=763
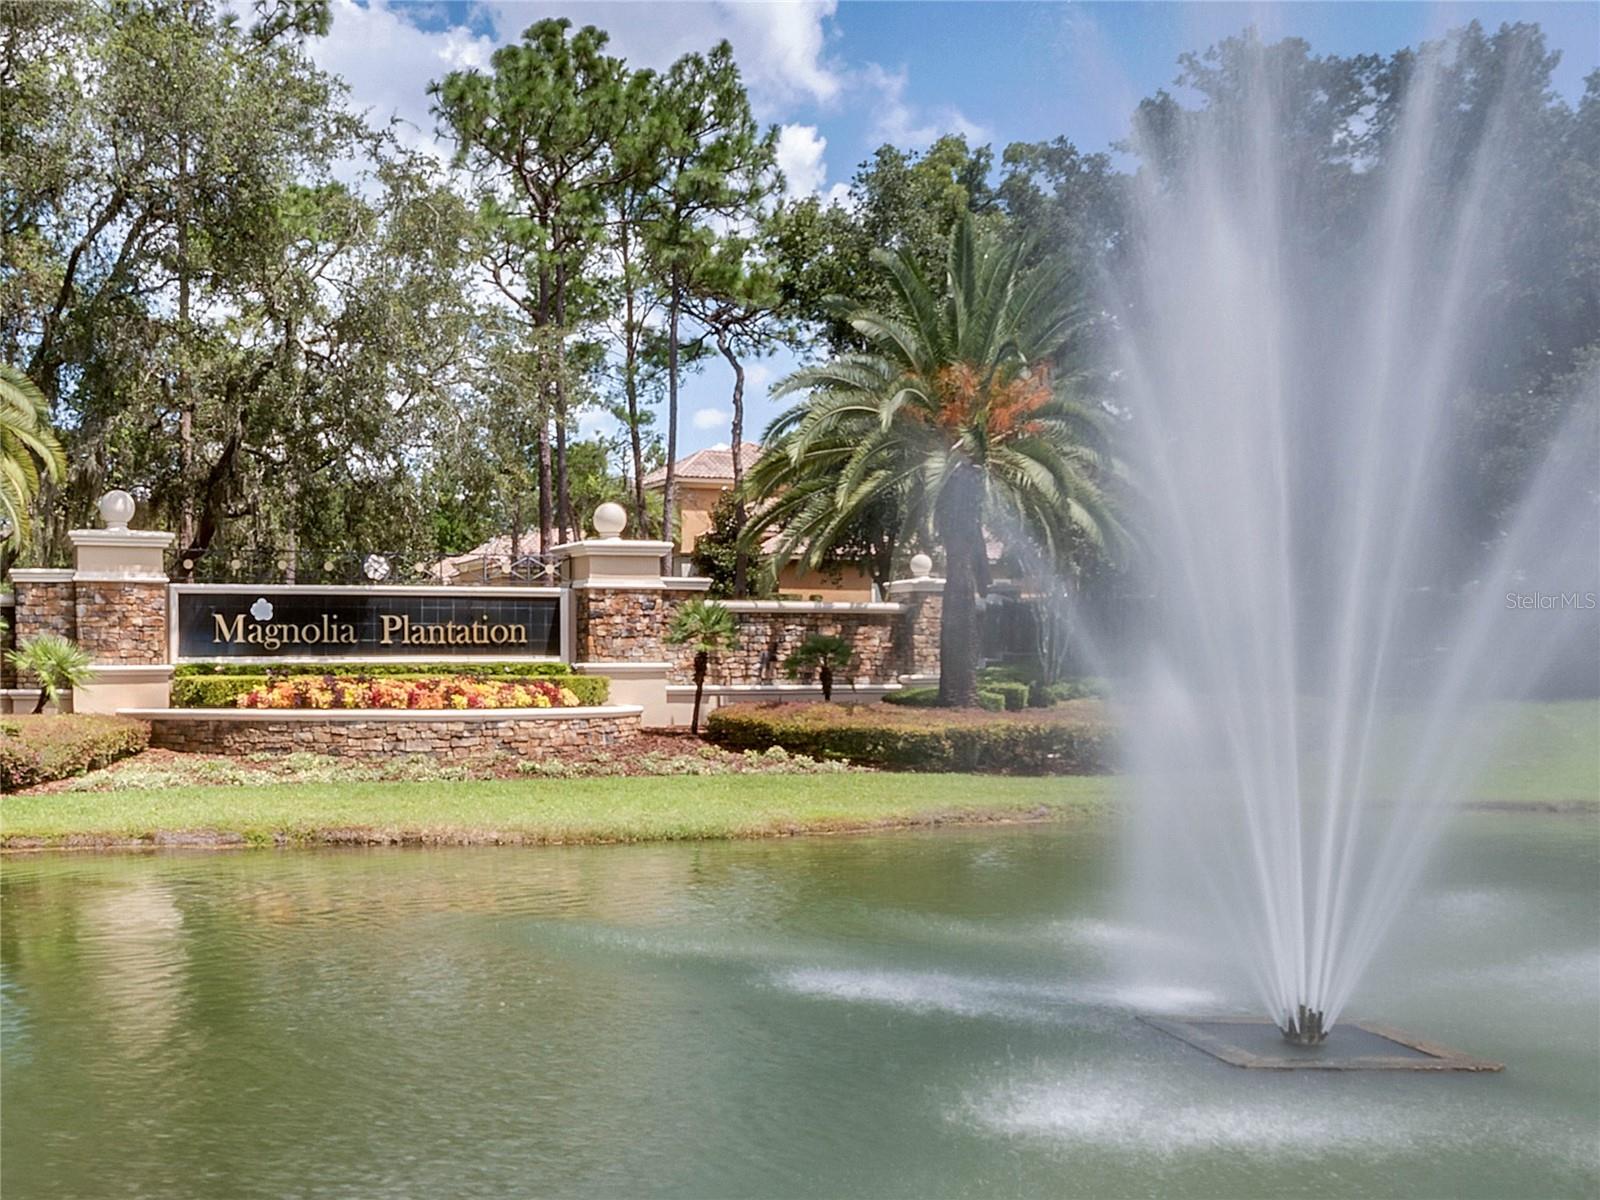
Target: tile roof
x=715 y=465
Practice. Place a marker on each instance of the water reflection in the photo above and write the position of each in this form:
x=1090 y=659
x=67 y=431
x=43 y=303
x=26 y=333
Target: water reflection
x=917 y=1015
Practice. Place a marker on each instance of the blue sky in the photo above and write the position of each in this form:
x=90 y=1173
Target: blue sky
x=842 y=78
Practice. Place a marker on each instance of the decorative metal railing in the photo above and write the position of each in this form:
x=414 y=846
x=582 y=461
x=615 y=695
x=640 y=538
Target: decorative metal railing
x=258 y=564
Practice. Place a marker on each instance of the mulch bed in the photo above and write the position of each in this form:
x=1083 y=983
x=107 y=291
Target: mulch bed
x=654 y=752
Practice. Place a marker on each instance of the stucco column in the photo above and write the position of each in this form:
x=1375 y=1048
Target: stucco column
x=917 y=634
x=120 y=608
x=620 y=608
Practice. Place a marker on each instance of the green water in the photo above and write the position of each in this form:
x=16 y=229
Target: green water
x=918 y=1015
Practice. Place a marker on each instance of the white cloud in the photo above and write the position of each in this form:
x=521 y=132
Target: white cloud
x=800 y=149
x=388 y=63
x=710 y=418
x=757 y=375
x=595 y=422
x=780 y=47
x=899 y=122
x=785 y=47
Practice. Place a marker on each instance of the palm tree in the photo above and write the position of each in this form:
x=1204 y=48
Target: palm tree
x=958 y=414
x=824 y=653
x=26 y=447
x=58 y=663
x=708 y=627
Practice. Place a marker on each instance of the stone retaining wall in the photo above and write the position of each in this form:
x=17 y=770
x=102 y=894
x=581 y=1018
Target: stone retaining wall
x=447 y=735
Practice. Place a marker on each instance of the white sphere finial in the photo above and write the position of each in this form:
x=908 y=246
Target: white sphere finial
x=610 y=519
x=921 y=566
x=116 y=509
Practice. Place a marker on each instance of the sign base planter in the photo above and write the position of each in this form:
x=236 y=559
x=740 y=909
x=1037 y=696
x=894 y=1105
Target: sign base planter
x=387 y=732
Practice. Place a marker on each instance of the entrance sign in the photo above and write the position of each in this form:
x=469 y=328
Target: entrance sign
x=287 y=621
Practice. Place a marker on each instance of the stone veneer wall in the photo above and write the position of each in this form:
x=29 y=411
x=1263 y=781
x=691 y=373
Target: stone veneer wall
x=46 y=608
x=40 y=608
x=621 y=624
x=123 y=622
x=779 y=634
x=441 y=737
x=8 y=641
x=629 y=625
x=919 y=633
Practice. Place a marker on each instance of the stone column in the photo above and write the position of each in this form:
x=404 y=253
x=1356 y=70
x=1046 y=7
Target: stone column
x=42 y=603
x=917 y=634
x=620 y=608
x=121 y=611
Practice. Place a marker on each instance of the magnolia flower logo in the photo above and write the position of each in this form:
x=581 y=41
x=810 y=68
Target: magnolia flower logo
x=261 y=610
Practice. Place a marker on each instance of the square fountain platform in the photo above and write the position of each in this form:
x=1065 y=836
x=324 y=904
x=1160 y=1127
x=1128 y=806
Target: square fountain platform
x=1352 y=1046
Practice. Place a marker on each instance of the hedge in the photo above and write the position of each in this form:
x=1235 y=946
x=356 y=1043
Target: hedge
x=928 y=697
x=472 y=670
x=1072 y=739
x=222 y=691
x=997 y=692
x=38 y=749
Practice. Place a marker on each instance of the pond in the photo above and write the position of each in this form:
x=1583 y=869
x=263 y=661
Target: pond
x=918 y=1015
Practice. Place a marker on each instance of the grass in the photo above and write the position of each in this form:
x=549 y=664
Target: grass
x=575 y=810
x=1550 y=754
x=1550 y=757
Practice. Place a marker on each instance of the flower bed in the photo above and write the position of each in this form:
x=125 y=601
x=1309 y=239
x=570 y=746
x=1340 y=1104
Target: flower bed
x=1070 y=739
x=225 y=691
x=428 y=692
x=38 y=749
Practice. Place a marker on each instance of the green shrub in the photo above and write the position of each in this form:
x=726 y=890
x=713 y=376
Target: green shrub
x=914 y=697
x=1074 y=739
x=212 y=691
x=471 y=670
x=1084 y=688
x=1007 y=674
x=221 y=691
x=35 y=750
x=928 y=697
x=591 y=690
x=1013 y=695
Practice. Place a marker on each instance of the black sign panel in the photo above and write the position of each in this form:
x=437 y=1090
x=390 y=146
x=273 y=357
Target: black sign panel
x=436 y=624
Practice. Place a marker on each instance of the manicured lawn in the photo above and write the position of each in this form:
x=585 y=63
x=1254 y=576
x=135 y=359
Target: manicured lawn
x=1550 y=755
x=571 y=810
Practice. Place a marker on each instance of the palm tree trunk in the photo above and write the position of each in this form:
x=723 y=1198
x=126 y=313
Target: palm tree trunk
x=701 y=658
x=961 y=532
x=825 y=673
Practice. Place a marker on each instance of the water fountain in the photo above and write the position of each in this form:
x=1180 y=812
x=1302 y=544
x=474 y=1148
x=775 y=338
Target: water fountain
x=1325 y=634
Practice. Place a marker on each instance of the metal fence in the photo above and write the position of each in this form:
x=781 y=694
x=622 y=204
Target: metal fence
x=259 y=564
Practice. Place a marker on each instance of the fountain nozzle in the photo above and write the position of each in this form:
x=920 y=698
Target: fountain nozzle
x=1307 y=1029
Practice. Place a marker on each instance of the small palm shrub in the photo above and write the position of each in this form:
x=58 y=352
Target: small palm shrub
x=708 y=628
x=823 y=653
x=58 y=663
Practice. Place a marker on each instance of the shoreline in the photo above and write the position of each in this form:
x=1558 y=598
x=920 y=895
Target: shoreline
x=589 y=811
x=426 y=836
x=442 y=836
